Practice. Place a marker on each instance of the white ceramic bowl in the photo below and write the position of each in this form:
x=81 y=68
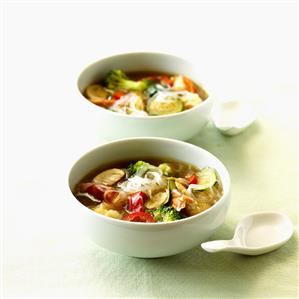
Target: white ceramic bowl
x=114 y=125
x=149 y=240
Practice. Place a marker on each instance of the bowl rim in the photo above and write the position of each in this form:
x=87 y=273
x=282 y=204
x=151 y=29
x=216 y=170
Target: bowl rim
x=143 y=117
x=225 y=194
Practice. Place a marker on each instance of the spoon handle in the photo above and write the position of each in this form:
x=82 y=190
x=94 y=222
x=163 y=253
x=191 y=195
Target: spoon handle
x=215 y=246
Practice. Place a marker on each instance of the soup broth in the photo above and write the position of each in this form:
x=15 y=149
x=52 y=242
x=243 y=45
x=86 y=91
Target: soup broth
x=145 y=93
x=149 y=190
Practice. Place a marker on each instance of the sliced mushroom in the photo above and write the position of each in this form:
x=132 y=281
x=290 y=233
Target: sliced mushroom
x=95 y=92
x=109 y=177
x=157 y=200
x=98 y=95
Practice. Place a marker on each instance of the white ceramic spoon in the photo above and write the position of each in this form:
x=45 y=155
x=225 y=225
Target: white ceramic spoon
x=231 y=117
x=255 y=234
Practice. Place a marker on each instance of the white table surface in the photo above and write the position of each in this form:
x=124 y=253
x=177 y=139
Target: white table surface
x=243 y=50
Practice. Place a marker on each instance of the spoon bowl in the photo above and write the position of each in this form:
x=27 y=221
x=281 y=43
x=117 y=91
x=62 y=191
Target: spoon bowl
x=255 y=234
x=232 y=117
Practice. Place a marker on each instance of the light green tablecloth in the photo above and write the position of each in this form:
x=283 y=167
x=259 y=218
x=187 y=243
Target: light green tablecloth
x=56 y=260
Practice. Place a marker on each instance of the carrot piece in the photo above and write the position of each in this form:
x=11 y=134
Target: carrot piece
x=189 y=84
x=167 y=80
x=162 y=78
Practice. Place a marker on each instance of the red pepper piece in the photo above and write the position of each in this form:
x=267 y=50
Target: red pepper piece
x=135 y=202
x=117 y=95
x=193 y=179
x=139 y=217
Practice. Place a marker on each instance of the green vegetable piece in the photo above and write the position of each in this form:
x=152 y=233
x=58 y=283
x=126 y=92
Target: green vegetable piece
x=134 y=167
x=118 y=80
x=206 y=179
x=161 y=105
x=171 y=184
x=140 y=168
x=166 y=169
x=166 y=214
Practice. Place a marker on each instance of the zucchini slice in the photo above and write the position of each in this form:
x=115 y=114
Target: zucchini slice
x=161 y=104
x=206 y=179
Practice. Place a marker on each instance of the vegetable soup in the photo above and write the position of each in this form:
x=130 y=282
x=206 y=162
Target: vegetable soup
x=145 y=93
x=150 y=190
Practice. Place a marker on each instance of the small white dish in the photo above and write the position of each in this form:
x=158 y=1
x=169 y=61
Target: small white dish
x=232 y=117
x=255 y=234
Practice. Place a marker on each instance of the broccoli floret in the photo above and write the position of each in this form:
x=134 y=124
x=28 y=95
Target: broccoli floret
x=134 y=167
x=117 y=79
x=140 y=168
x=166 y=214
